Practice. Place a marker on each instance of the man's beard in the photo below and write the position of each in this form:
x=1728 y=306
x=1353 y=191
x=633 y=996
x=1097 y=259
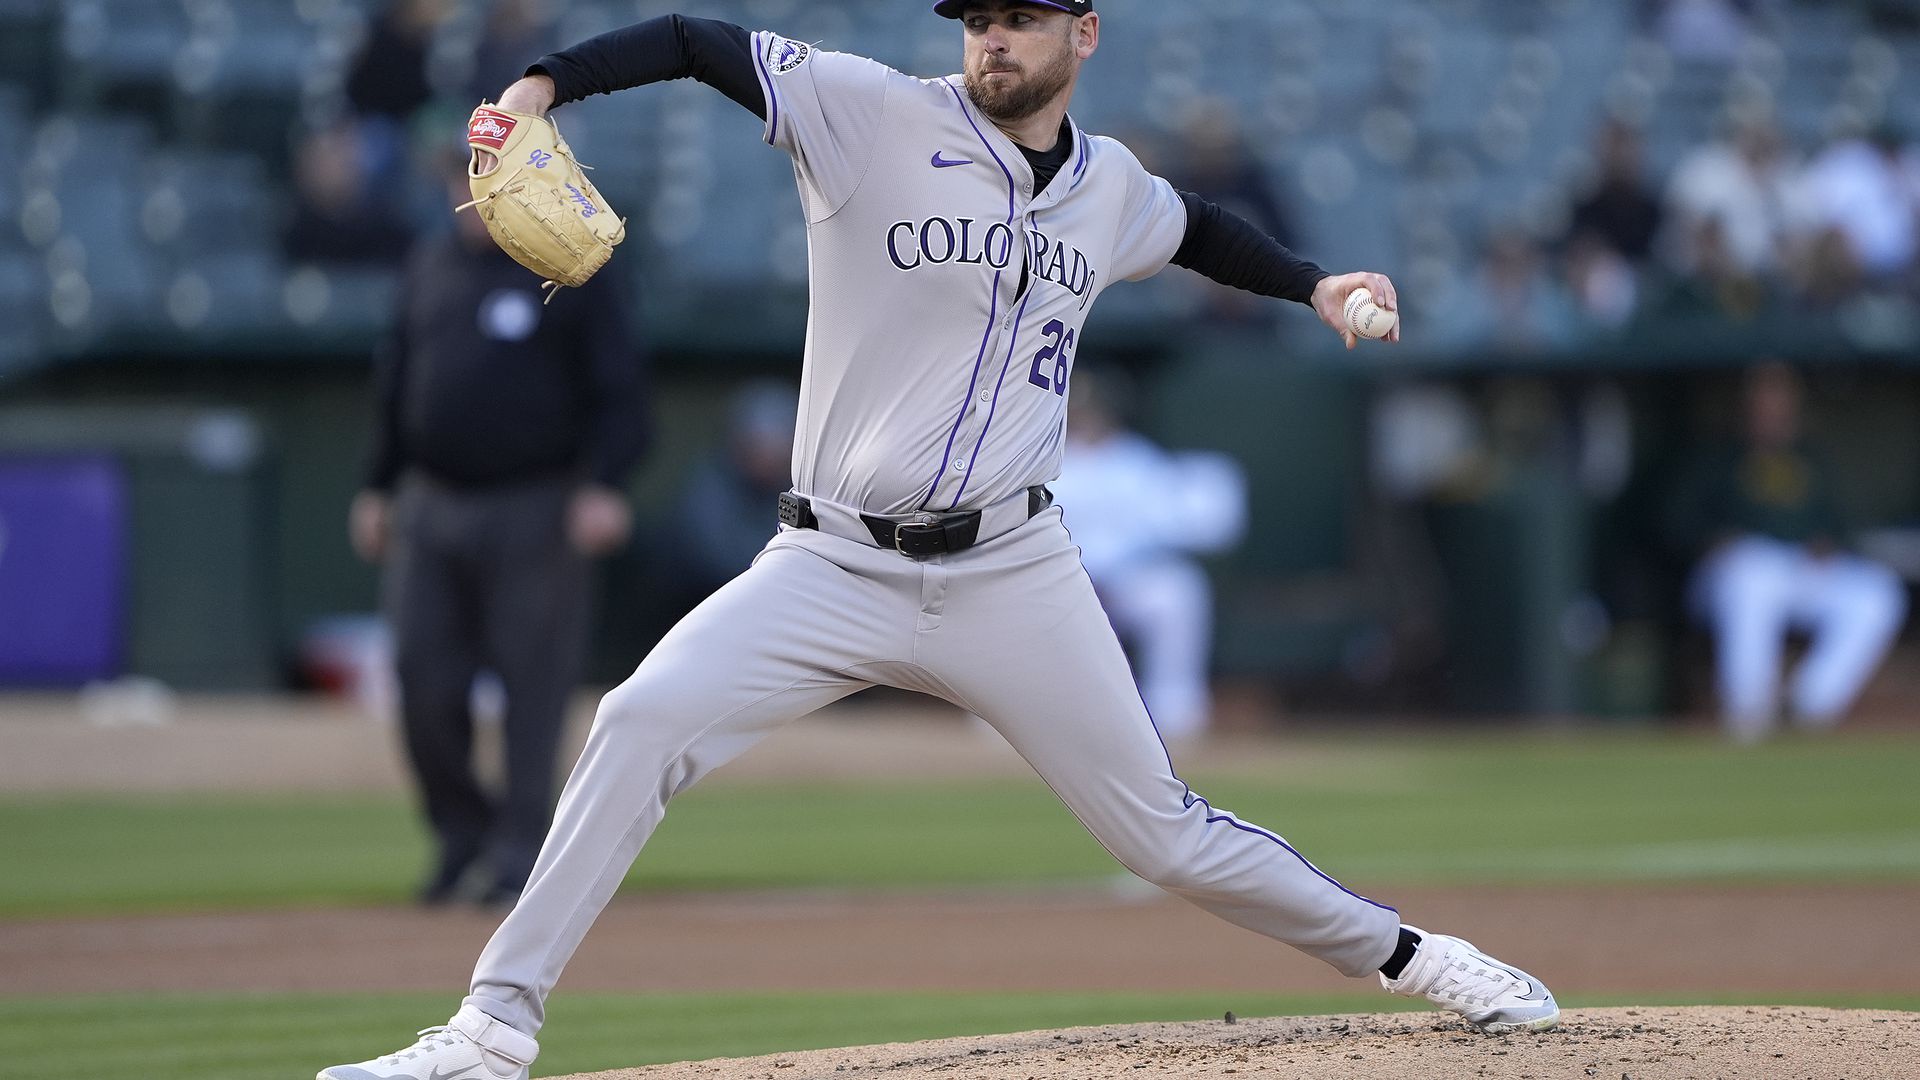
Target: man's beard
x=1012 y=104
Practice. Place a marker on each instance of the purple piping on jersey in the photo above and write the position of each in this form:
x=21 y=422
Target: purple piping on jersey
x=1188 y=798
x=997 y=387
x=983 y=141
x=766 y=87
x=1086 y=152
x=993 y=315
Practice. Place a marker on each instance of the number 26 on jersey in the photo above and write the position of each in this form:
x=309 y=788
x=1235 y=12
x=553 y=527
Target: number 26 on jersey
x=1051 y=365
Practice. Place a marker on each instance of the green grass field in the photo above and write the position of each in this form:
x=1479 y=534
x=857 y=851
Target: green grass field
x=1395 y=809
x=1595 y=808
x=290 y=1037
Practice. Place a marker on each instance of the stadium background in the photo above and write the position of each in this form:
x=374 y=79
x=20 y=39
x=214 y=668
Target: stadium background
x=158 y=315
x=162 y=331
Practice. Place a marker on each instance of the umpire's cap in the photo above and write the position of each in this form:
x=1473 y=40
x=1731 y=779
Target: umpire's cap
x=952 y=9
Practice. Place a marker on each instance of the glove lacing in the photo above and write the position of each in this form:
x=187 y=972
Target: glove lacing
x=551 y=288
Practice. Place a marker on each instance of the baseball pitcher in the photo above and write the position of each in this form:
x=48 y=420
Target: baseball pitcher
x=960 y=230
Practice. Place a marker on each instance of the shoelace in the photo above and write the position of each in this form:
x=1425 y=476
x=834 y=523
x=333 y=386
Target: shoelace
x=1480 y=985
x=430 y=1039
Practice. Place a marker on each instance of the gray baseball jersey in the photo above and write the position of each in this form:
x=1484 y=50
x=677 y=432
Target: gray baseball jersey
x=934 y=380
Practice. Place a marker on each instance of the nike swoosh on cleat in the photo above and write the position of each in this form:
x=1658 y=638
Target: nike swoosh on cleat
x=1536 y=990
x=942 y=163
x=457 y=1074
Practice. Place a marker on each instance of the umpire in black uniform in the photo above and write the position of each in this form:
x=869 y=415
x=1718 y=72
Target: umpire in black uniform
x=505 y=434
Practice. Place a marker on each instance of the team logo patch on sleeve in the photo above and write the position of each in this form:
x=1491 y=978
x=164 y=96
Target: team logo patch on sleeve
x=784 y=54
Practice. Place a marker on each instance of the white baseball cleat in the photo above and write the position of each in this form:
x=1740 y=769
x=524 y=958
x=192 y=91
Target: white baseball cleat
x=1492 y=996
x=472 y=1046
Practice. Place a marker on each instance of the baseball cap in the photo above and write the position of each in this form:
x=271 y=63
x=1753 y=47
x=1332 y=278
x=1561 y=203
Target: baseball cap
x=951 y=9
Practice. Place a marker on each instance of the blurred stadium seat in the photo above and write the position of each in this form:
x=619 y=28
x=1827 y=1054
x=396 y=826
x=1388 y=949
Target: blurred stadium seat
x=146 y=214
x=1441 y=120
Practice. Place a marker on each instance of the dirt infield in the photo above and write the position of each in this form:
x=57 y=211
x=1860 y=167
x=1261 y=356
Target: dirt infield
x=1676 y=940
x=1634 y=1044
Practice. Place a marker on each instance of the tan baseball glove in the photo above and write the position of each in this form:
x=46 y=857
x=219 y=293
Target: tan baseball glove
x=538 y=204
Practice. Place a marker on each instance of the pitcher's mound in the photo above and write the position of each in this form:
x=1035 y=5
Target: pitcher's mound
x=1643 y=1043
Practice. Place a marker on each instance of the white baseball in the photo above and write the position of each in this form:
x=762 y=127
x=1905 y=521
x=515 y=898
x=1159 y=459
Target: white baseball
x=1368 y=319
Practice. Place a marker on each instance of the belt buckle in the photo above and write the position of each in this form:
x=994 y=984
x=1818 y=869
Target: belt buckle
x=918 y=521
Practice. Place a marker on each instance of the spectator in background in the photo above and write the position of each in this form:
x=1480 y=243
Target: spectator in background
x=388 y=79
x=1730 y=200
x=1140 y=515
x=723 y=517
x=1621 y=210
x=1763 y=517
x=516 y=29
x=1898 y=16
x=388 y=83
x=1719 y=286
x=1610 y=239
x=335 y=218
x=1910 y=165
x=1602 y=284
x=505 y=434
x=1823 y=269
x=1212 y=155
x=1513 y=304
x=1861 y=196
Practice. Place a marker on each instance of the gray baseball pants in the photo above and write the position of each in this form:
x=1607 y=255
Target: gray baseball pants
x=1009 y=630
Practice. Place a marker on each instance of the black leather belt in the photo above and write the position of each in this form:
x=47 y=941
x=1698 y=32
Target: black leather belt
x=939 y=534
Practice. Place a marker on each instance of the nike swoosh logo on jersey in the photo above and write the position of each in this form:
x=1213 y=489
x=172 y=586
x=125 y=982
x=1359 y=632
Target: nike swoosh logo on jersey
x=942 y=163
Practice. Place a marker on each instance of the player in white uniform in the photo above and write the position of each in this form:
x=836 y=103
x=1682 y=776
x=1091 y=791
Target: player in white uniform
x=960 y=230
x=1141 y=515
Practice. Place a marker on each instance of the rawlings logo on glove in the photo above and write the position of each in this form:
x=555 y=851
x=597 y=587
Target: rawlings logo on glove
x=537 y=202
x=490 y=128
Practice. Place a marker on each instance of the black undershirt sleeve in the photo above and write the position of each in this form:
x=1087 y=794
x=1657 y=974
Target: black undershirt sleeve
x=719 y=54
x=1233 y=251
